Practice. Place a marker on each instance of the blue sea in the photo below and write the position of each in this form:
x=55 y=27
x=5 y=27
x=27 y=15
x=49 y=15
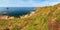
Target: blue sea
x=16 y=11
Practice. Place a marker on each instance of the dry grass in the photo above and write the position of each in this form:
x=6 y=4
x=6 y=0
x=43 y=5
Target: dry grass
x=45 y=18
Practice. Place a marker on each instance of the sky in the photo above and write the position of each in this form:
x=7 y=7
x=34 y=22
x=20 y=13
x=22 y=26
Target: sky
x=27 y=3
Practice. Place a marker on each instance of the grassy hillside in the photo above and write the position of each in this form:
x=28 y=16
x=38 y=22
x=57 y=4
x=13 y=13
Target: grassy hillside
x=45 y=18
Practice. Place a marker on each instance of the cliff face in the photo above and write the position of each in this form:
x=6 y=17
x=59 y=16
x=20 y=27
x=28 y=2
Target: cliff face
x=44 y=18
x=51 y=15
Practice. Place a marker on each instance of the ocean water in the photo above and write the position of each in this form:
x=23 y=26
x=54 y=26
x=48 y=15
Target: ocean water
x=15 y=11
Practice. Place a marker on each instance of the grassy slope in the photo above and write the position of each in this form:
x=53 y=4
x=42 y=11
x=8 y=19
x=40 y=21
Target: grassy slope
x=41 y=20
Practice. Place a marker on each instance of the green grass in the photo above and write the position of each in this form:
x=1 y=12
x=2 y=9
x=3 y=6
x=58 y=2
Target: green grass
x=16 y=27
x=3 y=24
x=40 y=22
